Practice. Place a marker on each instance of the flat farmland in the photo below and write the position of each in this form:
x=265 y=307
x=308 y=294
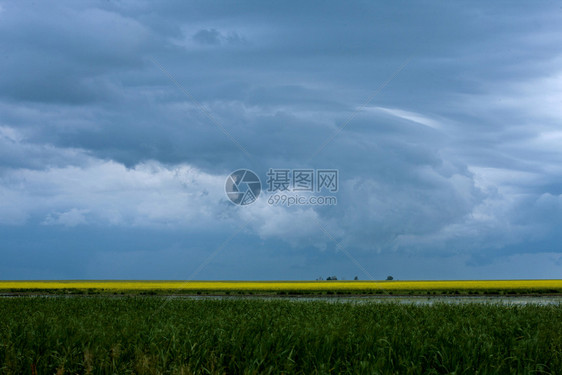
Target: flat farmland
x=131 y=327
x=159 y=335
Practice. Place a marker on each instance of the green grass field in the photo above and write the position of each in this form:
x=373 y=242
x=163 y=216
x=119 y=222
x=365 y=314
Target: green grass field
x=152 y=335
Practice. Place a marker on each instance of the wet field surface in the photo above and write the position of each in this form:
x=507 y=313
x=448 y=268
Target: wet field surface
x=414 y=300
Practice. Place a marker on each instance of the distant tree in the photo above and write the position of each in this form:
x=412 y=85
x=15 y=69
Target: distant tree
x=331 y=278
x=389 y=278
x=319 y=279
x=355 y=278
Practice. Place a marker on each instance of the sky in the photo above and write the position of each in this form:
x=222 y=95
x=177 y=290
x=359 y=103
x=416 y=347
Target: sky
x=121 y=121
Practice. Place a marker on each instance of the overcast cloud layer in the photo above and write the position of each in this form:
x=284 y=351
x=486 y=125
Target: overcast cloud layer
x=120 y=122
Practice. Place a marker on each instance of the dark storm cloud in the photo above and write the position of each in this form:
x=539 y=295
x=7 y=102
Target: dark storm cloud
x=457 y=154
x=59 y=54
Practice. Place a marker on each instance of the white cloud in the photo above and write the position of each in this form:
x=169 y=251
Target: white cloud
x=10 y=134
x=410 y=116
x=70 y=218
x=298 y=226
x=106 y=192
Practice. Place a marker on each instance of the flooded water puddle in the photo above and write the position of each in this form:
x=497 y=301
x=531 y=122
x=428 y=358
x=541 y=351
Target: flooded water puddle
x=415 y=300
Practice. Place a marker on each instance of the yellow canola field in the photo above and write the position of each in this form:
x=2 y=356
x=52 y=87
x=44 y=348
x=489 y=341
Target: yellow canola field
x=285 y=285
